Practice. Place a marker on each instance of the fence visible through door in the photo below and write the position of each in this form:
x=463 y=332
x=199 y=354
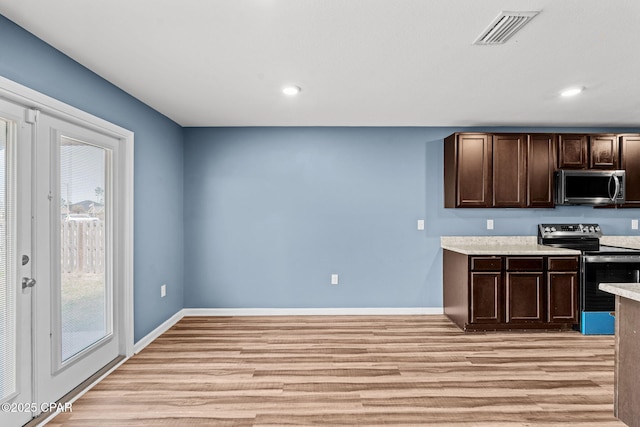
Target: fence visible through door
x=82 y=246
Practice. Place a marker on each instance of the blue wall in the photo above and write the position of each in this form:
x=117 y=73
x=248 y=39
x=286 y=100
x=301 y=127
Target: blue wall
x=158 y=177
x=270 y=213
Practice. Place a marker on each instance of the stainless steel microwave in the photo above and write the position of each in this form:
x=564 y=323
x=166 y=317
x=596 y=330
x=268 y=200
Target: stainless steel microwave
x=589 y=187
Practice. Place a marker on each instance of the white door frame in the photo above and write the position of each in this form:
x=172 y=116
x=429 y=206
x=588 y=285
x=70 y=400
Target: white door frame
x=17 y=157
x=37 y=101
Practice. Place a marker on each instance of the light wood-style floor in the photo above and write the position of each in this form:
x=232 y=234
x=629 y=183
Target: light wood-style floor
x=354 y=370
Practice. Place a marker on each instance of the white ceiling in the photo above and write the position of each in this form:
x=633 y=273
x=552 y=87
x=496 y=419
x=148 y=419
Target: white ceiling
x=359 y=62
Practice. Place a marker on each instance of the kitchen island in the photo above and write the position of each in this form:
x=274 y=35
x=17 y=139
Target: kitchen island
x=627 y=330
x=509 y=283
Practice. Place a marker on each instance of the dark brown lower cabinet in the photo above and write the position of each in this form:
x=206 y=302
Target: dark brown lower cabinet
x=562 y=289
x=486 y=297
x=562 y=297
x=510 y=292
x=524 y=301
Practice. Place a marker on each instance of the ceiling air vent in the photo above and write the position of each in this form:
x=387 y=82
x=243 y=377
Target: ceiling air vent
x=504 y=26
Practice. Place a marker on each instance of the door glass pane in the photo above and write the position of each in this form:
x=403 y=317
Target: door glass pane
x=84 y=293
x=8 y=283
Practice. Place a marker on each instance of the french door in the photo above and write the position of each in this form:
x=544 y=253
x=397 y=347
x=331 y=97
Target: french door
x=16 y=391
x=75 y=193
x=62 y=257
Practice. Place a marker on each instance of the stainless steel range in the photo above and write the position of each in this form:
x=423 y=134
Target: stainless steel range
x=599 y=264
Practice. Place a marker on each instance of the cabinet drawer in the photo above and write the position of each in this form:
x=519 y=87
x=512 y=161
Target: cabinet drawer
x=563 y=263
x=486 y=263
x=525 y=264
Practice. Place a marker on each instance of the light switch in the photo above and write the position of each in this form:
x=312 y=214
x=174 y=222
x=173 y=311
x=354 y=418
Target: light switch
x=334 y=279
x=421 y=224
x=634 y=224
x=489 y=224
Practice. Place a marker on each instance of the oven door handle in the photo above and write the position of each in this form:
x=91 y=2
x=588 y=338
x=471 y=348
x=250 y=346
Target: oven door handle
x=601 y=258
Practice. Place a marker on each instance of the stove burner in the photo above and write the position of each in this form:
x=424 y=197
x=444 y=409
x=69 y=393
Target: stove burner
x=571 y=236
x=569 y=230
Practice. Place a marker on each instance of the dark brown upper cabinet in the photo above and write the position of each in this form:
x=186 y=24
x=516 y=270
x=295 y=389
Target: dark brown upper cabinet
x=509 y=171
x=483 y=170
x=572 y=151
x=499 y=170
x=630 y=162
x=467 y=170
x=603 y=151
x=588 y=151
x=541 y=161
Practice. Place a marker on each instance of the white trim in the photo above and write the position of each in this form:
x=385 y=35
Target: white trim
x=127 y=243
x=353 y=311
x=30 y=98
x=33 y=99
x=151 y=336
x=85 y=390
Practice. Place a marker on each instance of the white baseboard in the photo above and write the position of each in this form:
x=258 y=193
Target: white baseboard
x=358 y=311
x=151 y=336
x=372 y=311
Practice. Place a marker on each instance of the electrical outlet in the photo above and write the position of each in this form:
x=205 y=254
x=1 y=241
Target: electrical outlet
x=421 y=224
x=163 y=291
x=334 y=279
x=634 y=224
x=489 y=224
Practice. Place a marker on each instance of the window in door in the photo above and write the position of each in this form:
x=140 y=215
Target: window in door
x=84 y=223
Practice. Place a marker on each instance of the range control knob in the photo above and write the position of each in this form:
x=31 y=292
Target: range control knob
x=597 y=228
x=547 y=230
x=553 y=229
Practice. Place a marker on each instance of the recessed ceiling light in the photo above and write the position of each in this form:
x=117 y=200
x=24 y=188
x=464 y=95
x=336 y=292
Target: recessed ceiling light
x=291 y=90
x=572 y=91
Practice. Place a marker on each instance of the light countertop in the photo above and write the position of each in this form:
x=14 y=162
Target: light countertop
x=500 y=245
x=632 y=242
x=626 y=290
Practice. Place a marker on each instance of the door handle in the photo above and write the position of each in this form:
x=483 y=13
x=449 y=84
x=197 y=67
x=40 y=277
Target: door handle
x=612 y=198
x=28 y=282
x=617 y=189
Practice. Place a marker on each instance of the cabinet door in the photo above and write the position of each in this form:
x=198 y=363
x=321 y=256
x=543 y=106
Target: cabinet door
x=541 y=165
x=473 y=185
x=524 y=298
x=486 y=263
x=630 y=162
x=509 y=171
x=572 y=151
x=562 y=297
x=525 y=263
x=486 y=298
x=563 y=263
x=604 y=151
